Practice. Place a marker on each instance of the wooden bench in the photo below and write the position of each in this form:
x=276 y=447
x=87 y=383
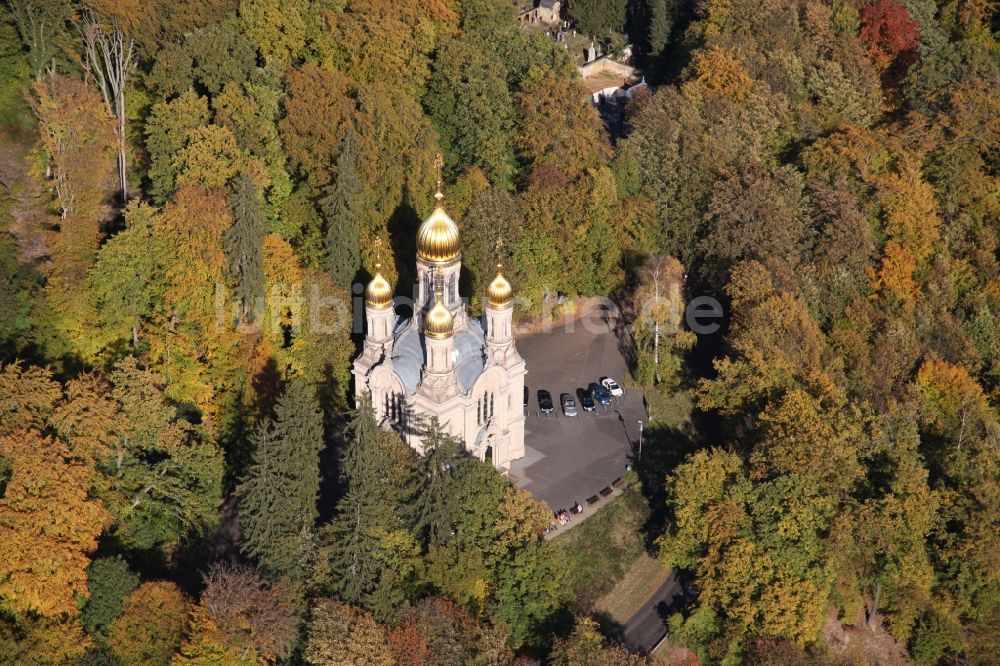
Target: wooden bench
x=593 y=499
x=617 y=483
x=607 y=491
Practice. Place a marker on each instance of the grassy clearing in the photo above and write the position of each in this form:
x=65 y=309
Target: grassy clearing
x=641 y=580
x=670 y=409
x=602 y=550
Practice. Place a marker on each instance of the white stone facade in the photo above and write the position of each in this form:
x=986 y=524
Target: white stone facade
x=472 y=379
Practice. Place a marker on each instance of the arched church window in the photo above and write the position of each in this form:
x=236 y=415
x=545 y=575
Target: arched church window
x=491 y=404
x=453 y=290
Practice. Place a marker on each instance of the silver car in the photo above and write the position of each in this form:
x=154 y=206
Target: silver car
x=568 y=404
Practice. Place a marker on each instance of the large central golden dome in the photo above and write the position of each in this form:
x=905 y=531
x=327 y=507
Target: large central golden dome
x=437 y=238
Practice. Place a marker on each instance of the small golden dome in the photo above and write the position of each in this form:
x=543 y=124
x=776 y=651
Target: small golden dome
x=438 y=323
x=437 y=238
x=499 y=294
x=378 y=294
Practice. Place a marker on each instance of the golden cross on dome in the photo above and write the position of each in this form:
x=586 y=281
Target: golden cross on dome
x=378 y=252
x=499 y=251
x=438 y=165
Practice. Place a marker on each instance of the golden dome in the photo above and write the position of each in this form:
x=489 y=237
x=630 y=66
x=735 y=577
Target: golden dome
x=437 y=238
x=499 y=294
x=378 y=294
x=438 y=323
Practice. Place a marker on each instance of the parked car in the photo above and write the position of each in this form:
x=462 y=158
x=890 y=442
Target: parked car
x=599 y=394
x=545 y=401
x=587 y=402
x=568 y=404
x=614 y=388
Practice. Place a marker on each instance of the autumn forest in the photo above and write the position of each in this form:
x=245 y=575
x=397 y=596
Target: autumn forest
x=192 y=191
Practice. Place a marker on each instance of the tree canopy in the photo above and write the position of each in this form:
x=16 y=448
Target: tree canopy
x=190 y=189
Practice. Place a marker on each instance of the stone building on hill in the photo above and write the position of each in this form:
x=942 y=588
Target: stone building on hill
x=545 y=12
x=442 y=362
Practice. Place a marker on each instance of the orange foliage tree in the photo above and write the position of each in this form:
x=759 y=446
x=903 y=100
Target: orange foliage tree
x=317 y=113
x=48 y=525
x=152 y=624
x=718 y=73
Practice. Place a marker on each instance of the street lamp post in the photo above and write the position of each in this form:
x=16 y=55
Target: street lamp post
x=640 y=439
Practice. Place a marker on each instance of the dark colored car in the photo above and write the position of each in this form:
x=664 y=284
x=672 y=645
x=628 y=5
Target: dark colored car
x=599 y=393
x=545 y=402
x=586 y=401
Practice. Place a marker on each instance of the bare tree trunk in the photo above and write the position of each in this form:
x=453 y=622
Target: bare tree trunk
x=30 y=21
x=654 y=274
x=110 y=61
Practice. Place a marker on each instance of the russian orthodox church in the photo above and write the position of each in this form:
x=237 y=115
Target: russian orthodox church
x=442 y=362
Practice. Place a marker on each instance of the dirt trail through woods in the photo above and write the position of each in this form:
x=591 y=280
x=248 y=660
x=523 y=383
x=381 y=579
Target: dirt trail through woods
x=26 y=200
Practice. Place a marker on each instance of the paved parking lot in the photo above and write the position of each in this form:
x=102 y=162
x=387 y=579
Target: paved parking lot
x=568 y=459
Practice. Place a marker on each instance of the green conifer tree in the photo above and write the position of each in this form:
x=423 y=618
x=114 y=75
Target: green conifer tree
x=277 y=498
x=244 y=240
x=660 y=25
x=368 y=546
x=109 y=581
x=342 y=205
x=437 y=484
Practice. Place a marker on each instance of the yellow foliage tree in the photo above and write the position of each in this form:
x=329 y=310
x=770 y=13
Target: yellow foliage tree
x=775 y=342
x=520 y=521
x=43 y=642
x=949 y=394
x=210 y=158
x=718 y=73
x=807 y=438
x=194 y=344
x=27 y=397
x=153 y=622
x=391 y=40
x=911 y=216
x=48 y=525
x=895 y=277
x=77 y=142
x=205 y=647
x=342 y=634
x=88 y=419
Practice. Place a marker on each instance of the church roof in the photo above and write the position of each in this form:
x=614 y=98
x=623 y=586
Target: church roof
x=471 y=360
x=408 y=354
